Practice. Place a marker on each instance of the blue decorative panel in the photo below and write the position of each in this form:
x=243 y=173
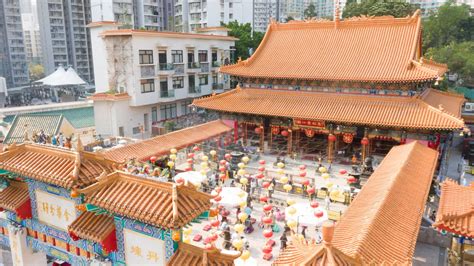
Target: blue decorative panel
x=122 y=223
x=4 y=242
x=56 y=252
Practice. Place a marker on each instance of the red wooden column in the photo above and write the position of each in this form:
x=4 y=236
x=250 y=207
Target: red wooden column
x=245 y=133
x=290 y=141
x=262 y=138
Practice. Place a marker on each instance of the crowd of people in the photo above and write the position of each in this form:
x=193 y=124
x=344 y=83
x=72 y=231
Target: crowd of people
x=56 y=140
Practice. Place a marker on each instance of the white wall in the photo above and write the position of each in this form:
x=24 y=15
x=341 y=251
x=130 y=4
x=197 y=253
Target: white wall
x=102 y=10
x=99 y=58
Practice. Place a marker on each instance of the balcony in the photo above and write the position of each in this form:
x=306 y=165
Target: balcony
x=215 y=64
x=147 y=71
x=165 y=69
x=217 y=86
x=167 y=94
x=194 y=67
x=194 y=89
x=204 y=67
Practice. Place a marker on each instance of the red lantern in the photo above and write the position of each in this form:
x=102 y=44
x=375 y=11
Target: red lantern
x=310 y=190
x=217 y=198
x=267 y=207
x=259 y=176
x=179 y=180
x=190 y=161
x=284 y=133
x=318 y=214
x=306 y=182
x=314 y=204
x=302 y=174
x=267 y=233
x=262 y=162
x=265 y=184
x=364 y=141
x=351 y=179
x=215 y=223
x=263 y=199
x=267 y=220
x=196 y=148
x=275 y=130
x=302 y=167
x=348 y=138
x=258 y=130
x=187 y=169
x=153 y=159
x=261 y=168
x=223 y=177
x=342 y=171
x=267 y=249
x=191 y=155
x=222 y=162
x=214 y=237
x=222 y=169
x=227 y=156
x=331 y=138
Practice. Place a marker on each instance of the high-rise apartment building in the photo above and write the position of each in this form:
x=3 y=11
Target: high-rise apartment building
x=31 y=32
x=265 y=10
x=190 y=15
x=13 y=62
x=138 y=14
x=64 y=37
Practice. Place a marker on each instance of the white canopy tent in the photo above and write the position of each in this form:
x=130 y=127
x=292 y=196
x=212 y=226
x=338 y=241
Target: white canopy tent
x=305 y=214
x=62 y=77
x=193 y=177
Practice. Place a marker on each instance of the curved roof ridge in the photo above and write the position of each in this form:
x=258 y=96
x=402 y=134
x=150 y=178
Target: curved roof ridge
x=442 y=112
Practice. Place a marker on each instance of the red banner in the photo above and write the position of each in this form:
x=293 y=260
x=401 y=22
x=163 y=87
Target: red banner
x=309 y=123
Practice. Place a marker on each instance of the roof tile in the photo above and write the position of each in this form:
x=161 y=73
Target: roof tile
x=188 y=254
x=91 y=226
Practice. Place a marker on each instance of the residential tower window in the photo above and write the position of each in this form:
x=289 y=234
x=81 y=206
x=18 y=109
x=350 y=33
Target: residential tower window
x=146 y=56
x=154 y=115
x=177 y=56
x=185 y=107
x=168 y=111
x=203 y=79
x=202 y=56
x=147 y=85
x=178 y=82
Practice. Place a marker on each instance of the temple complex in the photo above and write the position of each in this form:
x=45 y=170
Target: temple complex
x=330 y=89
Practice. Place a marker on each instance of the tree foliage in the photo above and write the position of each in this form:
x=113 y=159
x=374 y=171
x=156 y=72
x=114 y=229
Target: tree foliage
x=310 y=11
x=289 y=18
x=246 y=43
x=378 y=8
x=36 y=72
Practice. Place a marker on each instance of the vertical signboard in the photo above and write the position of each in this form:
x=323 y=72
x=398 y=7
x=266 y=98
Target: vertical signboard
x=141 y=249
x=55 y=210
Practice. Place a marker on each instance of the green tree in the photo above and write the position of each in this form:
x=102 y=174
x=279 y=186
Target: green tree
x=36 y=72
x=289 y=18
x=378 y=8
x=247 y=42
x=310 y=11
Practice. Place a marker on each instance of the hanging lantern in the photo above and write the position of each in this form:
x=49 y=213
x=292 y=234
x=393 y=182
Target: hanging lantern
x=189 y=168
x=244 y=181
x=259 y=176
x=306 y=182
x=239 y=228
x=263 y=199
x=261 y=162
x=267 y=207
x=314 y=204
x=191 y=155
x=222 y=162
x=351 y=179
x=213 y=153
x=291 y=210
x=322 y=169
x=265 y=184
x=245 y=159
x=284 y=179
x=280 y=165
x=242 y=216
x=347 y=138
x=280 y=171
x=245 y=255
x=302 y=167
x=227 y=156
x=241 y=165
x=291 y=223
x=267 y=249
x=364 y=141
x=267 y=233
x=329 y=184
x=153 y=159
x=342 y=171
x=196 y=148
x=173 y=151
x=204 y=165
x=261 y=169
x=215 y=223
x=173 y=156
x=74 y=193
x=267 y=220
x=309 y=132
x=318 y=214
x=176 y=236
x=287 y=187
x=218 y=198
x=222 y=169
x=190 y=161
x=241 y=172
x=302 y=174
x=170 y=164
x=187 y=231
x=258 y=130
x=204 y=158
x=290 y=202
x=331 y=138
x=310 y=190
x=284 y=133
x=325 y=176
x=179 y=180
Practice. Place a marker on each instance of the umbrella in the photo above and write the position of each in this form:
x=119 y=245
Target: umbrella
x=305 y=214
x=230 y=197
x=193 y=177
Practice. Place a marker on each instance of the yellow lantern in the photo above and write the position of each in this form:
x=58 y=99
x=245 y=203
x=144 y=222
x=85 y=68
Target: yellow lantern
x=241 y=172
x=170 y=164
x=241 y=165
x=176 y=236
x=334 y=194
x=241 y=194
x=187 y=240
x=291 y=224
x=242 y=216
x=213 y=153
x=238 y=243
x=242 y=204
x=290 y=202
x=325 y=176
x=245 y=159
x=187 y=231
x=291 y=210
x=173 y=156
x=280 y=165
x=244 y=181
x=203 y=172
x=284 y=179
x=204 y=165
x=322 y=169
x=329 y=184
x=239 y=228
x=287 y=187
x=204 y=158
x=245 y=255
x=173 y=151
x=280 y=171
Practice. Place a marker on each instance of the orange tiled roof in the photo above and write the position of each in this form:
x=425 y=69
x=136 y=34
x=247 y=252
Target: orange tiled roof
x=161 y=204
x=448 y=101
x=456 y=210
x=213 y=29
x=164 y=34
x=381 y=225
x=376 y=49
x=53 y=165
x=188 y=254
x=91 y=226
x=361 y=109
x=162 y=144
x=12 y=197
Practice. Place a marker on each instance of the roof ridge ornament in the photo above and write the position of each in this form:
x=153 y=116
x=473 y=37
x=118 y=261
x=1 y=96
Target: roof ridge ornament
x=336 y=14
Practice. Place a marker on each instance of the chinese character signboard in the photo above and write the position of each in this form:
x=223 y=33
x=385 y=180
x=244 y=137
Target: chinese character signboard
x=55 y=210
x=309 y=123
x=141 y=249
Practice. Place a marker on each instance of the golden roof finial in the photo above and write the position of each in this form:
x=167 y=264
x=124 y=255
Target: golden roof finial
x=238 y=88
x=79 y=146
